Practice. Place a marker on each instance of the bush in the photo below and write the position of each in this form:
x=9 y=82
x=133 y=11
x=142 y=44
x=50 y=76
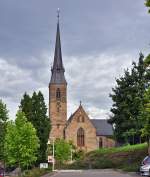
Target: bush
x=36 y=172
x=78 y=155
x=127 y=158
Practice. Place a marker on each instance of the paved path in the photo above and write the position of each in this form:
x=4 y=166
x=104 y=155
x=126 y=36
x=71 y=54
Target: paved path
x=92 y=173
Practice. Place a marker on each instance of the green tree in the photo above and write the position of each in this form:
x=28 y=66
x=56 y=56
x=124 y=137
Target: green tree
x=147 y=60
x=36 y=112
x=145 y=114
x=62 y=150
x=127 y=100
x=41 y=122
x=21 y=142
x=3 y=121
x=121 y=118
x=26 y=105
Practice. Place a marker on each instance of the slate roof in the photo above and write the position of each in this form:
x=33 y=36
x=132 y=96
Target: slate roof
x=102 y=127
x=58 y=70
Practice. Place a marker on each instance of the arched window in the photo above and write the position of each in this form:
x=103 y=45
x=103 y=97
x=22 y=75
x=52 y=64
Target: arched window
x=82 y=118
x=100 y=142
x=58 y=95
x=80 y=137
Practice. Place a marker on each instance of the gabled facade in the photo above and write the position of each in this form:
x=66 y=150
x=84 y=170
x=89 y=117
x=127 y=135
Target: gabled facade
x=85 y=133
x=81 y=131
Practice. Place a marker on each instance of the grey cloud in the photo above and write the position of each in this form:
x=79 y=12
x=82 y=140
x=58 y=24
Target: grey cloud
x=28 y=27
x=99 y=39
x=91 y=81
x=15 y=81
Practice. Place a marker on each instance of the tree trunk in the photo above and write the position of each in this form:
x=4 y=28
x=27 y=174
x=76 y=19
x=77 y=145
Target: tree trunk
x=20 y=174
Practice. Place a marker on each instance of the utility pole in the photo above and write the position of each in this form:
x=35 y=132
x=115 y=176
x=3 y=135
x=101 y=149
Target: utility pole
x=53 y=151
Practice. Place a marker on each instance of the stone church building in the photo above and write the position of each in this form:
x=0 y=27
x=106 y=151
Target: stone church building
x=85 y=133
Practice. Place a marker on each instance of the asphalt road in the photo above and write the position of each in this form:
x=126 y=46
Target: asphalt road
x=92 y=173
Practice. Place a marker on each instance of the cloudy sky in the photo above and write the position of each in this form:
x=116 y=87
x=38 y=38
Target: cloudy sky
x=100 y=38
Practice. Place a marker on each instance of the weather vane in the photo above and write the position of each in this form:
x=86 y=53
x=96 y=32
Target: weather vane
x=58 y=12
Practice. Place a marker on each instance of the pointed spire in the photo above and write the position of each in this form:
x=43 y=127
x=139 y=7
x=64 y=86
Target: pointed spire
x=58 y=69
x=58 y=56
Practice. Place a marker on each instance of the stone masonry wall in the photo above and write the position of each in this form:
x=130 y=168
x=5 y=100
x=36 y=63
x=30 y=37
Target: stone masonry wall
x=90 y=131
x=57 y=110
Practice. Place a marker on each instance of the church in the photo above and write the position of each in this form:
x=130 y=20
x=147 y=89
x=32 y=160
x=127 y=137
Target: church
x=85 y=133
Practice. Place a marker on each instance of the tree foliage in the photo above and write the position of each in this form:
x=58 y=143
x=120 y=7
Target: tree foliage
x=145 y=114
x=21 y=142
x=3 y=121
x=62 y=150
x=147 y=60
x=127 y=100
x=26 y=105
x=36 y=112
x=147 y=3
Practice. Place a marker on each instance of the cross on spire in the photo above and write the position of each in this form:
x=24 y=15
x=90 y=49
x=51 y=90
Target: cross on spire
x=58 y=12
x=80 y=102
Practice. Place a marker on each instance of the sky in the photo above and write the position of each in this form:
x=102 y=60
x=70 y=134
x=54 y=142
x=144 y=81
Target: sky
x=100 y=38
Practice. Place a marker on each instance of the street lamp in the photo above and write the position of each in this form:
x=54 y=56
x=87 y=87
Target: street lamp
x=53 y=160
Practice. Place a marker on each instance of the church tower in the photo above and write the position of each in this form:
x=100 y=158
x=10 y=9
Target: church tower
x=57 y=92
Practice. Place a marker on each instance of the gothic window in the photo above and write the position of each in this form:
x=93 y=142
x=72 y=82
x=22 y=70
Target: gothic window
x=100 y=142
x=78 y=119
x=58 y=94
x=82 y=118
x=80 y=137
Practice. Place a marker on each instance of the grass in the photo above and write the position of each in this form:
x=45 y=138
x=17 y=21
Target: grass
x=127 y=158
x=127 y=148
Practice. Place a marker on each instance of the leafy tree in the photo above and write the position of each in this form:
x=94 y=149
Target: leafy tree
x=62 y=150
x=127 y=99
x=147 y=3
x=145 y=114
x=26 y=105
x=139 y=74
x=41 y=122
x=121 y=115
x=147 y=60
x=3 y=121
x=36 y=112
x=21 y=142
